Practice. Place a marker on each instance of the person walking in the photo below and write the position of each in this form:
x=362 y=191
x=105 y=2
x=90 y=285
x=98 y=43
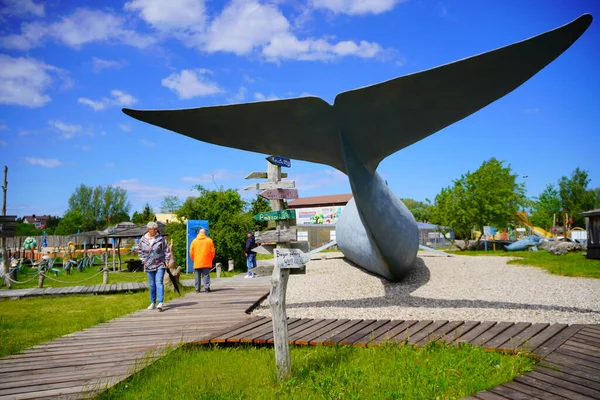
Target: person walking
x=250 y=255
x=202 y=252
x=154 y=254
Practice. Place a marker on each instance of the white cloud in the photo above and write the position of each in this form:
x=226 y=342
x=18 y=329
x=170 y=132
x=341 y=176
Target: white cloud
x=67 y=131
x=44 y=162
x=356 y=7
x=244 y=25
x=142 y=192
x=22 y=8
x=170 y=15
x=81 y=27
x=326 y=178
x=24 y=81
x=125 y=127
x=119 y=98
x=99 y=64
x=147 y=143
x=3 y=143
x=261 y=97
x=191 y=83
x=240 y=96
x=215 y=176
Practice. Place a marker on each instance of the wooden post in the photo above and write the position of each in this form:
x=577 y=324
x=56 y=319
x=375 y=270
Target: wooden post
x=105 y=276
x=279 y=281
x=5 y=263
x=41 y=280
x=230 y=265
x=219 y=267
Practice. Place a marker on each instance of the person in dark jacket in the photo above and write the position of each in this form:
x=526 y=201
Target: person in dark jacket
x=250 y=255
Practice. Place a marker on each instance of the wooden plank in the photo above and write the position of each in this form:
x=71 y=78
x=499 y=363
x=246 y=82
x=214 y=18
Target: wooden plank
x=554 y=381
x=310 y=330
x=277 y=235
x=522 y=337
x=425 y=332
x=367 y=331
x=573 y=369
x=556 y=390
x=279 y=194
x=305 y=340
x=488 y=396
x=439 y=333
x=297 y=325
x=509 y=393
x=363 y=341
x=592 y=349
x=558 y=339
x=271 y=185
x=336 y=339
x=318 y=341
x=533 y=392
x=542 y=337
x=491 y=333
x=312 y=323
x=262 y=175
x=392 y=331
x=476 y=331
x=280 y=161
x=580 y=353
x=574 y=379
x=562 y=358
x=291 y=322
x=459 y=331
x=506 y=336
x=413 y=330
x=278 y=215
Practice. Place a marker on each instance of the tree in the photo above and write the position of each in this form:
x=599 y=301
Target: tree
x=596 y=198
x=72 y=222
x=51 y=224
x=26 y=229
x=170 y=204
x=97 y=204
x=545 y=207
x=177 y=232
x=575 y=196
x=144 y=217
x=258 y=205
x=489 y=196
x=420 y=210
x=228 y=224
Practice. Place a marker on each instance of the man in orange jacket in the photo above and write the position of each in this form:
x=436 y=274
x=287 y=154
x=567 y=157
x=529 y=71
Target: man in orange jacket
x=202 y=252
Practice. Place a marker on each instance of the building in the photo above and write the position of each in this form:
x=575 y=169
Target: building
x=166 y=218
x=38 y=221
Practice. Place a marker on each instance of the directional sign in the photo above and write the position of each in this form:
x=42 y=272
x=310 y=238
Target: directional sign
x=8 y=225
x=275 y=215
x=290 y=258
x=279 y=194
x=271 y=185
x=281 y=161
x=278 y=235
x=262 y=175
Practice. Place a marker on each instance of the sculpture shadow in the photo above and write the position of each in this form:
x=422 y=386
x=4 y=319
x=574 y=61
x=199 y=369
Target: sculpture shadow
x=400 y=294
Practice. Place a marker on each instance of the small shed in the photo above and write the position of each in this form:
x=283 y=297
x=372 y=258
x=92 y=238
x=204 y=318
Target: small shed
x=593 y=233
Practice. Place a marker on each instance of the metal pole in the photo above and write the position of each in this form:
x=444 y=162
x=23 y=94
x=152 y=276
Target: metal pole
x=5 y=264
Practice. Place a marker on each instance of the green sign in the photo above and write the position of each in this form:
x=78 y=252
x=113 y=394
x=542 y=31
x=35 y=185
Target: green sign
x=275 y=215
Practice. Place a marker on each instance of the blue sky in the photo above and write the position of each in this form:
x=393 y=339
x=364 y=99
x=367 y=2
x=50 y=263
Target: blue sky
x=67 y=68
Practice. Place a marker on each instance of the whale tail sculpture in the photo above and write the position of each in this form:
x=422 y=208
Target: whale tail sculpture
x=363 y=126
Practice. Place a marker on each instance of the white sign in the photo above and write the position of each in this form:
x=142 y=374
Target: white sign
x=318 y=215
x=290 y=258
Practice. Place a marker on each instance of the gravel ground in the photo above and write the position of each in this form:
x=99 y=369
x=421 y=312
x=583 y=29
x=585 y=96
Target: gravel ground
x=442 y=288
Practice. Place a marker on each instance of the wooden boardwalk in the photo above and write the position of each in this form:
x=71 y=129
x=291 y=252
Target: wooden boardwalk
x=85 y=362
x=570 y=354
x=68 y=290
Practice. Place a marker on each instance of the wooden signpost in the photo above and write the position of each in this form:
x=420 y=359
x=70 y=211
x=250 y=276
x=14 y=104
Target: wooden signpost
x=7 y=229
x=8 y=226
x=262 y=175
x=271 y=185
x=279 y=194
x=278 y=235
x=275 y=215
x=289 y=259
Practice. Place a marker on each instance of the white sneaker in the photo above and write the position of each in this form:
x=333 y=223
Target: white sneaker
x=151 y=306
x=248 y=277
x=159 y=306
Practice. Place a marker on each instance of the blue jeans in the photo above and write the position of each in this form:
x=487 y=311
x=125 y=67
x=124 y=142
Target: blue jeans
x=198 y=275
x=251 y=262
x=155 y=279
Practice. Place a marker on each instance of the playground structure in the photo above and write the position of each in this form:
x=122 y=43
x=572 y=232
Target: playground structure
x=536 y=230
x=375 y=231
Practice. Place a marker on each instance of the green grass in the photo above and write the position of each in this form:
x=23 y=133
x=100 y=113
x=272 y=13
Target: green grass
x=570 y=264
x=438 y=371
x=27 y=322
